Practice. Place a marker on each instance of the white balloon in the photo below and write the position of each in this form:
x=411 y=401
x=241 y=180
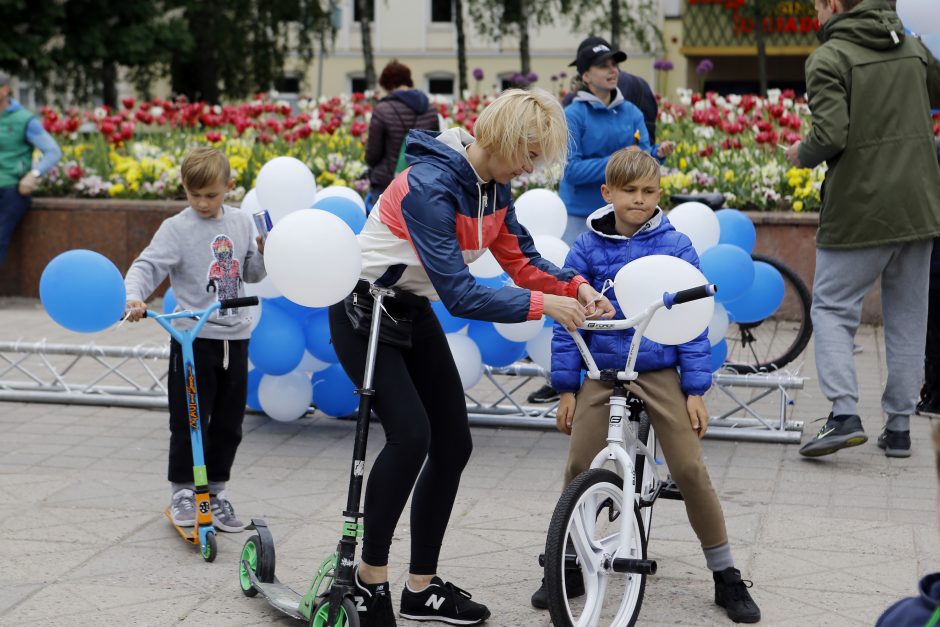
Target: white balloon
x=644 y=280
x=285 y=398
x=468 y=359
x=486 y=266
x=342 y=192
x=540 y=348
x=250 y=202
x=264 y=288
x=542 y=212
x=920 y=16
x=718 y=325
x=552 y=249
x=313 y=257
x=520 y=331
x=310 y=364
x=699 y=222
x=284 y=185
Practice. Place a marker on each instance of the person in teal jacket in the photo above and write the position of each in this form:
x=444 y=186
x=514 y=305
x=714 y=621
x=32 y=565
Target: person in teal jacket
x=20 y=133
x=600 y=123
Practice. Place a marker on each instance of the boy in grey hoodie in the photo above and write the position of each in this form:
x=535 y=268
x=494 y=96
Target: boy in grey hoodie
x=208 y=252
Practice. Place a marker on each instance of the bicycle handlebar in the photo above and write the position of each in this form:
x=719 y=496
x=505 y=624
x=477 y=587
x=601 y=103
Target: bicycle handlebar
x=229 y=303
x=686 y=296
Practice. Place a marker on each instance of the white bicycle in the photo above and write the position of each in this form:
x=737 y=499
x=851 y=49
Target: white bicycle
x=595 y=555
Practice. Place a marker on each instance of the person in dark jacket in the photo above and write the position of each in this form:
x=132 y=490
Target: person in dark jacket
x=672 y=379
x=403 y=109
x=870 y=89
x=929 y=404
x=634 y=89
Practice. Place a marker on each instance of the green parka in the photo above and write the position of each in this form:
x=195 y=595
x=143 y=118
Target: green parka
x=870 y=90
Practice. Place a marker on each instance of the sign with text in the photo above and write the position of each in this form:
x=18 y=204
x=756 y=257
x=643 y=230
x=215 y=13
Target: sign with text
x=733 y=23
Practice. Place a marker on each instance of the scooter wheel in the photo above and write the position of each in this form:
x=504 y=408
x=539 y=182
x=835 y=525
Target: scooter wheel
x=259 y=560
x=348 y=616
x=210 y=550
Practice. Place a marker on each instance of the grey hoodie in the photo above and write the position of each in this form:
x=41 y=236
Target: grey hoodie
x=207 y=259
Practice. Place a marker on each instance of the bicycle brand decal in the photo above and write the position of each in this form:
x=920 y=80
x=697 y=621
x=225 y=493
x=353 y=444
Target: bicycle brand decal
x=191 y=396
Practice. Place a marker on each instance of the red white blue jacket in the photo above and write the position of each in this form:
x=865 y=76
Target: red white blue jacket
x=436 y=217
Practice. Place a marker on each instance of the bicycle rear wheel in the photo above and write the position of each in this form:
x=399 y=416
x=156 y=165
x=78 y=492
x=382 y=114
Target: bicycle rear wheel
x=776 y=341
x=601 y=524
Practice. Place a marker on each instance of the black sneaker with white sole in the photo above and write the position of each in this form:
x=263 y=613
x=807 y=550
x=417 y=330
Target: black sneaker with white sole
x=545 y=394
x=374 y=604
x=895 y=443
x=442 y=601
x=929 y=405
x=838 y=433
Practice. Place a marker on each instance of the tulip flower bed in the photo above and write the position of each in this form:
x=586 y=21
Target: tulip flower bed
x=729 y=144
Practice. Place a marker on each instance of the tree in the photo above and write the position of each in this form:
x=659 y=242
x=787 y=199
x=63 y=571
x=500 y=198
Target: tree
x=366 y=11
x=495 y=18
x=28 y=26
x=461 y=48
x=631 y=19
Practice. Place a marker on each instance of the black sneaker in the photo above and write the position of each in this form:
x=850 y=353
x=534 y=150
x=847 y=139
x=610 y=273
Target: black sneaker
x=574 y=587
x=895 y=443
x=731 y=593
x=545 y=394
x=442 y=601
x=374 y=604
x=929 y=405
x=839 y=432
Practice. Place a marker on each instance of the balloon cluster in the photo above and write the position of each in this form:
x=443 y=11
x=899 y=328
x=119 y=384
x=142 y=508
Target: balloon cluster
x=748 y=291
x=923 y=18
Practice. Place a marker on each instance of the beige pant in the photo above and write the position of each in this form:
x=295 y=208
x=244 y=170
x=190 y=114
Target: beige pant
x=665 y=404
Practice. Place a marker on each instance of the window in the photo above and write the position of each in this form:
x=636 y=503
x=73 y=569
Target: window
x=357 y=84
x=289 y=84
x=442 y=10
x=370 y=8
x=441 y=85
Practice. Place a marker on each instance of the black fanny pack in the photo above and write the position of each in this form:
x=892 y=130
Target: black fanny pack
x=398 y=314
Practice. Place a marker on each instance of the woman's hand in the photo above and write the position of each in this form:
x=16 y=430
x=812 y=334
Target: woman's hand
x=134 y=310
x=665 y=149
x=698 y=415
x=567 y=311
x=595 y=305
x=564 y=415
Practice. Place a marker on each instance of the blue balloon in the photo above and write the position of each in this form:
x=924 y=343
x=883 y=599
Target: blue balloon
x=719 y=355
x=495 y=350
x=169 y=301
x=450 y=324
x=762 y=299
x=345 y=209
x=82 y=291
x=277 y=343
x=333 y=392
x=317 y=334
x=254 y=380
x=736 y=229
x=730 y=268
x=296 y=311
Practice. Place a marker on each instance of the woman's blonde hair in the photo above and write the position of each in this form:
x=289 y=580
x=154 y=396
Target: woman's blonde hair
x=204 y=166
x=518 y=118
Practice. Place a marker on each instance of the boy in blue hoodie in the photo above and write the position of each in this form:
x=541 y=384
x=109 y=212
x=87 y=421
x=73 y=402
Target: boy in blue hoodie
x=629 y=227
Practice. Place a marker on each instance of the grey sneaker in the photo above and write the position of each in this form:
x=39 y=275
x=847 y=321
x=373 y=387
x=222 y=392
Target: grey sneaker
x=223 y=514
x=839 y=432
x=183 y=508
x=895 y=443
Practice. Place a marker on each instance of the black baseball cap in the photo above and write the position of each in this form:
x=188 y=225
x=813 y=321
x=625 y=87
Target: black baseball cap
x=594 y=51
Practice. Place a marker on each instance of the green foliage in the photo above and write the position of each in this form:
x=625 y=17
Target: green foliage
x=28 y=25
x=617 y=21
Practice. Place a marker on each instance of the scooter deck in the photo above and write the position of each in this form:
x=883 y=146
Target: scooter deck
x=280 y=596
x=190 y=534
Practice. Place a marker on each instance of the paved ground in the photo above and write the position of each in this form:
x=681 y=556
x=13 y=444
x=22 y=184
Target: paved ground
x=84 y=541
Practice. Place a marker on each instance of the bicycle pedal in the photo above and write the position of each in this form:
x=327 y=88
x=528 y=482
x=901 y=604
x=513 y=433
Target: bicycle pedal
x=670 y=491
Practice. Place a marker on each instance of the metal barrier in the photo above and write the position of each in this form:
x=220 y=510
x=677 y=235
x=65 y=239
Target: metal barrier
x=136 y=377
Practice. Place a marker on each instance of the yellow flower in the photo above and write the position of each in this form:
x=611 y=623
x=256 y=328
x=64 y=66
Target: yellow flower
x=116 y=189
x=729 y=176
x=798 y=205
x=683 y=164
x=636 y=135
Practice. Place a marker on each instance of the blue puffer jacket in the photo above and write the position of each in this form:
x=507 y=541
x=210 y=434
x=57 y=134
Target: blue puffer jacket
x=596 y=132
x=597 y=255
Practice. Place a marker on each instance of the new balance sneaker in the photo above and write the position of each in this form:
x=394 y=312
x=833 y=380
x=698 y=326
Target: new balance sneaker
x=223 y=514
x=374 y=604
x=839 y=432
x=574 y=587
x=545 y=394
x=895 y=443
x=442 y=601
x=731 y=593
x=183 y=508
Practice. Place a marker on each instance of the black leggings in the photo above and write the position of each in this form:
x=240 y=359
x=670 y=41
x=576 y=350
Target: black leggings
x=420 y=401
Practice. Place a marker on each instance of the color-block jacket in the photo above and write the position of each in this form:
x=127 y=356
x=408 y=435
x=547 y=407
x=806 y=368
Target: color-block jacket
x=436 y=217
x=598 y=255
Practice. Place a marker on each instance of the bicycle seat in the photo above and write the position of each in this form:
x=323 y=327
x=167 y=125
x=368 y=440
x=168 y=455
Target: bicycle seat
x=715 y=200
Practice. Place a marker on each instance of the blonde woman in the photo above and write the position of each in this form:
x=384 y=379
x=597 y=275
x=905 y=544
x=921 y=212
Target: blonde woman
x=451 y=205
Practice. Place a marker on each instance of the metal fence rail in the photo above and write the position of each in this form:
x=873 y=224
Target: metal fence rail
x=40 y=372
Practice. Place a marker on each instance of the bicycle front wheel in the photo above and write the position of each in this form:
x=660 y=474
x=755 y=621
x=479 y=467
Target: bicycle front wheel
x=774 y=342
x=594 y=526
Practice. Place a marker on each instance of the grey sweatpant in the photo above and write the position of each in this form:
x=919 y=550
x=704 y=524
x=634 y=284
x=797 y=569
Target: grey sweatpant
x=843 y=277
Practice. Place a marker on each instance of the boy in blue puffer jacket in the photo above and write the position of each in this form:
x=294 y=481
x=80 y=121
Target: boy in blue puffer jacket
x=630 y=227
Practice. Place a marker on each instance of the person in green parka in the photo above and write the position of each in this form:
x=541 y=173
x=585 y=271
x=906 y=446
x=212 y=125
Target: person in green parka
x=870 y=88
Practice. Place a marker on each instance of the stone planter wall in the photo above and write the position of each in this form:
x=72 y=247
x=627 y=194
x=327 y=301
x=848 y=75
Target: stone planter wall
x=120 y=229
